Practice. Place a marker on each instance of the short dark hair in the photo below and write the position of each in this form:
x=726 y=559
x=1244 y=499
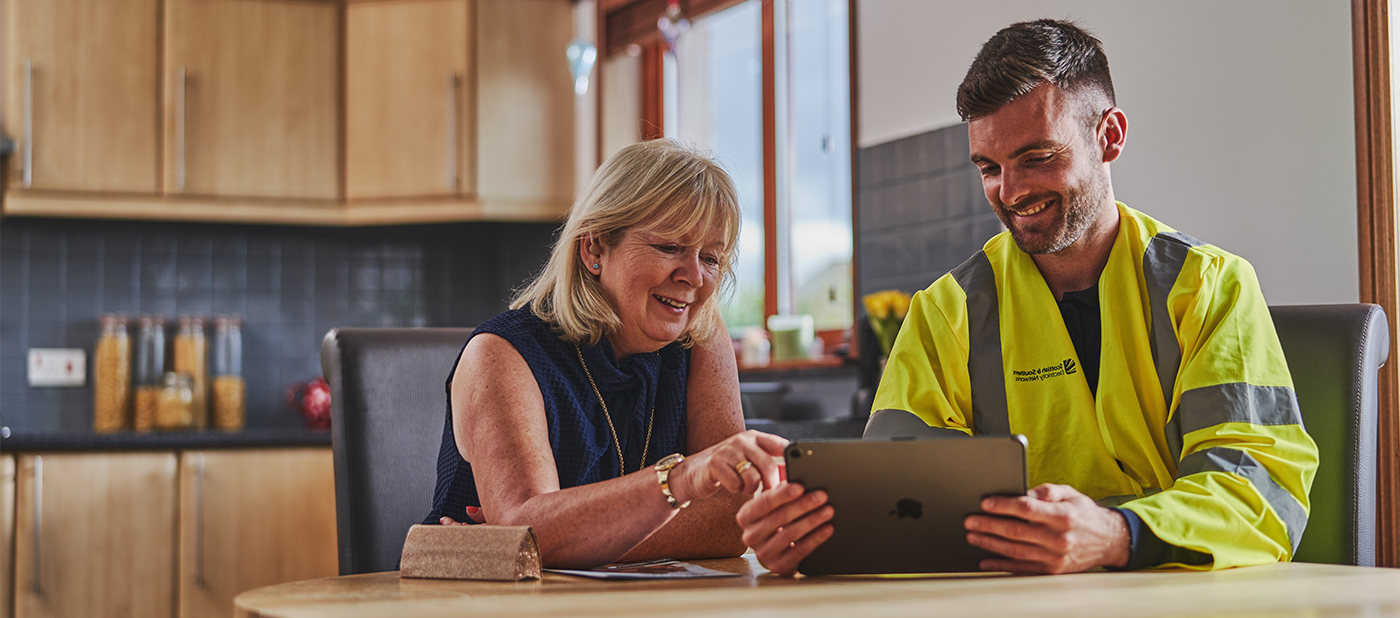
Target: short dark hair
x=1026 y=54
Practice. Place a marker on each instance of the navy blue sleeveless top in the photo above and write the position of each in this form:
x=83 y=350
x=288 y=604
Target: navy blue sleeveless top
x=578 y=431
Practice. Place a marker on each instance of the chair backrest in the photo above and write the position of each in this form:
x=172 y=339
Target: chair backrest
x=1334 y=353
x=388 y=406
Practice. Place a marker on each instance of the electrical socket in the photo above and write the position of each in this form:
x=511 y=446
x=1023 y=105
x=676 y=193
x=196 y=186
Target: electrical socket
x=57 y=367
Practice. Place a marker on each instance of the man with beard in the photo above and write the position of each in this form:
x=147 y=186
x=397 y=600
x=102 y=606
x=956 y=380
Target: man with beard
x=1141 y=363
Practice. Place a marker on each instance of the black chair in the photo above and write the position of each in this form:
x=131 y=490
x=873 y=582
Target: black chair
x=1334 y=353
x=388 y=405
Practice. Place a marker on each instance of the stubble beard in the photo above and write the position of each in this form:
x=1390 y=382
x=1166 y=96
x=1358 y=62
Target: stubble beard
x=1078 y=207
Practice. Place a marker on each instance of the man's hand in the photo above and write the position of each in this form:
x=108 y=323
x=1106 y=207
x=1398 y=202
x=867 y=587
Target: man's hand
x=784 y=524
x=1052 y=529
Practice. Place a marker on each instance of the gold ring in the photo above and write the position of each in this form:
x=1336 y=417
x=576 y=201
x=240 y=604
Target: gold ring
x=742 y=466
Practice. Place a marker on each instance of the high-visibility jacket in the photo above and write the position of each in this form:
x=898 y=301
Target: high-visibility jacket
x=1195 y=426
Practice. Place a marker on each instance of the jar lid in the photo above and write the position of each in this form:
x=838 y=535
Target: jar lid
x=221 y=321
x=112 y=320
x=178 y=380
x=152 y=319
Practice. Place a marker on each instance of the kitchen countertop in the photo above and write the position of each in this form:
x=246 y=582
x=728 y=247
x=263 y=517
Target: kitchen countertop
x=262 y=438
x=162 y=440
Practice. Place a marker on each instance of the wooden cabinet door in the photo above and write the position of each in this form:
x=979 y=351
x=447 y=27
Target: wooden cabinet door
x=84 y=94
x=409 y=90
x=93 y=535
x=252 y=98
x=7 y=535
x=253 y=518
x=525 y=109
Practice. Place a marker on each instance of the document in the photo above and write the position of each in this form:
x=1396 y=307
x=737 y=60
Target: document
x=652 y=569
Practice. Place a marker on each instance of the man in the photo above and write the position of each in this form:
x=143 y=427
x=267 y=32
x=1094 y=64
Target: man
x=1141 y=363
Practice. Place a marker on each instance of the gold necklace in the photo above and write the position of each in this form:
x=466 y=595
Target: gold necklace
x=621 y=471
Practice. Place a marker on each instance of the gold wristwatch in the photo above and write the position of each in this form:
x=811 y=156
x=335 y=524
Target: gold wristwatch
x=663 y=476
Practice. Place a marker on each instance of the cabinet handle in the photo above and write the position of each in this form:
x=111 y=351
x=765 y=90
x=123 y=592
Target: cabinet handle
x=28 y=175
x=180 y=129
x=38 y=515
x=451 y=131
x=199 y=520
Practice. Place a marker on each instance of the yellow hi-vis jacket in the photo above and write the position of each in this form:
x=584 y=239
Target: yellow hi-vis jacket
x=1195 y=427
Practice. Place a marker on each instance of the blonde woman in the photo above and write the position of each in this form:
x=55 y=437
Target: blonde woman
x=603 y=408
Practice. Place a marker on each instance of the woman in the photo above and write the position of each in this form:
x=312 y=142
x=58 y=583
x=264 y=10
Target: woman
x=570 y=406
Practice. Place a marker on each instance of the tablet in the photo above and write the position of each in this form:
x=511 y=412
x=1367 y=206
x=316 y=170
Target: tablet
x=900 y=503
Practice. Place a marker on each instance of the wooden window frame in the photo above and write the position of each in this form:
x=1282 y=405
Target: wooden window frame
x=622 y=23
x=1376 y=223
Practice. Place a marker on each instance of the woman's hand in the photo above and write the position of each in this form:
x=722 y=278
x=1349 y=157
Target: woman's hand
x=475 y=513
x=737 y=465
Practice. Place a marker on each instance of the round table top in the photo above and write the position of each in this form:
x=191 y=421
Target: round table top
x=1283 y=589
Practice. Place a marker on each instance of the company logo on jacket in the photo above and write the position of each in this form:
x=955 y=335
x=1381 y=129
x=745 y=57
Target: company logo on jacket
x=1062 y=368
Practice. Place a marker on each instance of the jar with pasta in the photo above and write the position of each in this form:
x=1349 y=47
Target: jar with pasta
x=111 y=376
x=191 y=358
x=150 y=371
x=175 y=405
x=228 y=410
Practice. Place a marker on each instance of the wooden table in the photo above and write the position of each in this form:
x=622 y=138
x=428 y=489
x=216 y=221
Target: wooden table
x=1311 y=590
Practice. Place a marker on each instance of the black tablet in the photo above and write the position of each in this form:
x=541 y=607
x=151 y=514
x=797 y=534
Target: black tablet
x=900 y=503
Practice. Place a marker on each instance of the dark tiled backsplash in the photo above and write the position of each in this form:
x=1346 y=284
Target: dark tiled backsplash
x=290 y=284
x=921 y=210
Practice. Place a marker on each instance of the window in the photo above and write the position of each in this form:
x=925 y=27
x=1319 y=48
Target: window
x=1375 y=38
x=784 y=134
x=716 y=98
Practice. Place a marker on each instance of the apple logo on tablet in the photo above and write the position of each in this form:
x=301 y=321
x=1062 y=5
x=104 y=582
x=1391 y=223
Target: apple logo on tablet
x=908 y=507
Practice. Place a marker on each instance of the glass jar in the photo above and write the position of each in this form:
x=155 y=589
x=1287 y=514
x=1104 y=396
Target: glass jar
x=228 y=409
x=150 y=369
x=111 y=376
x=191 y=357
x=175 y=405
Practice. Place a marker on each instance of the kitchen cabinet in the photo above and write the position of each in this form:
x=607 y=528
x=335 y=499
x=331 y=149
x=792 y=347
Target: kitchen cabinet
x=252 y=518
x=525 y=107
x=252 y=99
x=84 y=95
x=168 y=533
x=7 y=534
x=94 y=535
x=293 y=112
x=409 y=92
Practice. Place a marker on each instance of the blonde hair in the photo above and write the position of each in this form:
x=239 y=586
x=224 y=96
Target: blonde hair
x=670 y=189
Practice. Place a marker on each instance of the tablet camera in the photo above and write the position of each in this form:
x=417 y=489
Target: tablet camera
x=795 y=453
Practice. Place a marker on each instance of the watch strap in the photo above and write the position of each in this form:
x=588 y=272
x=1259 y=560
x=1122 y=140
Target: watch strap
x=663 y=476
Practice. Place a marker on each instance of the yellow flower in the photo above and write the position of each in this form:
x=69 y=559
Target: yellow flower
x=886 y=310
x=900 y=301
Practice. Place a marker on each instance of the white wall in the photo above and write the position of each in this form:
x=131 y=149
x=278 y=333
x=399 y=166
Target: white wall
x=1239 y=115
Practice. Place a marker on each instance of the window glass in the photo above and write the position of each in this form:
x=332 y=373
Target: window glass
x=718 y=105
x=819 y=156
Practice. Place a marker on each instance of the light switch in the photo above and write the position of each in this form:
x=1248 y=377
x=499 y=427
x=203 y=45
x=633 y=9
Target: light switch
x=57 y=367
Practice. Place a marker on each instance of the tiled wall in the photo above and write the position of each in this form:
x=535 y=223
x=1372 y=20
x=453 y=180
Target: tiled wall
x=291 y=284
x=921 y=210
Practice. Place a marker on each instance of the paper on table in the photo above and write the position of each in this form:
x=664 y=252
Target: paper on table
x=653 y=569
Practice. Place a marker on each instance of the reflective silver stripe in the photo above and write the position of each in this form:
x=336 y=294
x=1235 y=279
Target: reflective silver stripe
x=1113 y=501
x=1237 y=402
x=1161 y=265
x=896 y=423
x=1221 y=459
x=984 y=365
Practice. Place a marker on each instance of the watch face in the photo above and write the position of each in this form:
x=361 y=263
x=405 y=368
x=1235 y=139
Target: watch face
x=669 y=461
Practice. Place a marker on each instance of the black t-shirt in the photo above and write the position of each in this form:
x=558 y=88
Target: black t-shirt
x=1080 y=311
